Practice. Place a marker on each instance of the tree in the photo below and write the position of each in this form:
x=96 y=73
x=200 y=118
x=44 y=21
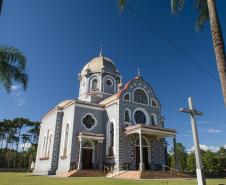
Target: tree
x=19 y=123
x=191 y=162
x=210 y=163
x=181 y=156
x=207 y=11
x=12 y=67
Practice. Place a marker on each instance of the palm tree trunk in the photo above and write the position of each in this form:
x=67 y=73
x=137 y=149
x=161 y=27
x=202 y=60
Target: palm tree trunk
x=218 y=44
x=17 y=146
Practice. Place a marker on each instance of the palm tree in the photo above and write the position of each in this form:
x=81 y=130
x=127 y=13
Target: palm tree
x=1 y=2
x=12 y=67
x=207 y=12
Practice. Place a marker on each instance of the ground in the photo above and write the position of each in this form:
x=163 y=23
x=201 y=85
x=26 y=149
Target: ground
x=27 y=179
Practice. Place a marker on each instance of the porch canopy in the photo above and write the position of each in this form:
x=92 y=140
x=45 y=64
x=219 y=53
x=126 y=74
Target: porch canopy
x=141 y=129
x=150 y=130
x=91 y=136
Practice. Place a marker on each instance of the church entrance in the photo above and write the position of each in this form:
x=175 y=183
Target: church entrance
x=145 y=157
x=145 y=153
x=87 y=155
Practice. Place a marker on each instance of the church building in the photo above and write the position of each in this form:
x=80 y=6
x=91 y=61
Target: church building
x=109 y=125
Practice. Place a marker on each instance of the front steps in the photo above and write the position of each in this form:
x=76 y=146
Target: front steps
x=88 y=173
x=136 y=175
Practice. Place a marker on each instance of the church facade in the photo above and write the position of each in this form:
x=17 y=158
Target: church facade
x=109 y=125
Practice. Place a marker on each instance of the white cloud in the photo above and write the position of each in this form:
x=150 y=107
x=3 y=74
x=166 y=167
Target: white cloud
x=15 y=87
x=17 y=95
x=205 y=148
x=225 y=146
x=213 y=131
x=25 y=146
x=203 y=122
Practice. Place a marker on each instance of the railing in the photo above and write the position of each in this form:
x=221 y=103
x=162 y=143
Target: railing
x=172 y=171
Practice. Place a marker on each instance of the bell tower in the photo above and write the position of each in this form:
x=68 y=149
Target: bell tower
x=99 y=80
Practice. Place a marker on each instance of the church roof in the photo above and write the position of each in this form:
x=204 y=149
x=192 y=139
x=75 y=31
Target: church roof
x=99 y=64
x=110 y=99
x=63 y=103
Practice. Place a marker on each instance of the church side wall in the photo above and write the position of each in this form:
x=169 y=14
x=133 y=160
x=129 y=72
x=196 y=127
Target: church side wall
x=113 y=116
x=68 y=119
x=42 y=166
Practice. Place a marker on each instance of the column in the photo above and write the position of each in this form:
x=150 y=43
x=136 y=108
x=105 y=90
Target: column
x=100 y=160
x=175 y=152
x=80 y=154
x=141 y=165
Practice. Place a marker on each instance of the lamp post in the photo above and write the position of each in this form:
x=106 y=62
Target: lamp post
x=199 y=168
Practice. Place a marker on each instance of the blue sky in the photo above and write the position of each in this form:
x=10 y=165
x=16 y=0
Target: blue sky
x=59 y=37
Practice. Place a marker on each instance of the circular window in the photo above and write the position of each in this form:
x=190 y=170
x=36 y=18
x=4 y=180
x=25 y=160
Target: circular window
x=88 y=121
x=139 y=117
x=109 y=82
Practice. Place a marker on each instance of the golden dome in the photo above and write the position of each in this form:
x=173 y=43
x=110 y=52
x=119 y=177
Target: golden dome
x=99 y=64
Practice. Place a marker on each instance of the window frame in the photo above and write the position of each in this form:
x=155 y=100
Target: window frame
x=155 y=119
x=147 y=95
x=95 y=120
x=129 y=97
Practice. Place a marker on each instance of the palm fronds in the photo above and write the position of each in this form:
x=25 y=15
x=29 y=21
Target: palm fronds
x=122 y=4
x=12 y=67
x=177 y=5
x=203 y=17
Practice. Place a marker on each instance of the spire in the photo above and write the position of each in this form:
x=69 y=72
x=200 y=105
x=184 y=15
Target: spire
x=120 y=85
x=138 y=71
x=138 y=74
x=101 y=49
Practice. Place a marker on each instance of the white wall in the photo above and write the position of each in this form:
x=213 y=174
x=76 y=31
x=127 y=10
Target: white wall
x=68 y=118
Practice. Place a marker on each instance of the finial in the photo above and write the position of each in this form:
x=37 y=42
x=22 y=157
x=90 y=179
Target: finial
x=101 y=48
x=120 y=80
x=138 y=71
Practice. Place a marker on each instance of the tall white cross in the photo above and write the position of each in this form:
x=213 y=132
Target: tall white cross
x=199 y=168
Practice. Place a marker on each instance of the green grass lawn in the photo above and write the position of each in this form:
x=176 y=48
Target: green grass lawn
x=27 y=179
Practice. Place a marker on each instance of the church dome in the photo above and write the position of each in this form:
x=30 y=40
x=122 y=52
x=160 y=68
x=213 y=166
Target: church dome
x=99 y=64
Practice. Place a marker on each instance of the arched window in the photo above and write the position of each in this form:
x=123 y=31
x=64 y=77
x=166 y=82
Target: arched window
x=154 y=103
x=46 y=145
x=127 y=116
x=94 y=84
x=66 y=140
x=153 y=119
x=126 y=97
x=43 y=147
x=111 y=147
x=50 y=138
x=140 y=96
x=110 y=139
x=139 y=117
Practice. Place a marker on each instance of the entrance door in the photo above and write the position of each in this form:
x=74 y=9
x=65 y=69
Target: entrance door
x=87 y=155
x=145 y=157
